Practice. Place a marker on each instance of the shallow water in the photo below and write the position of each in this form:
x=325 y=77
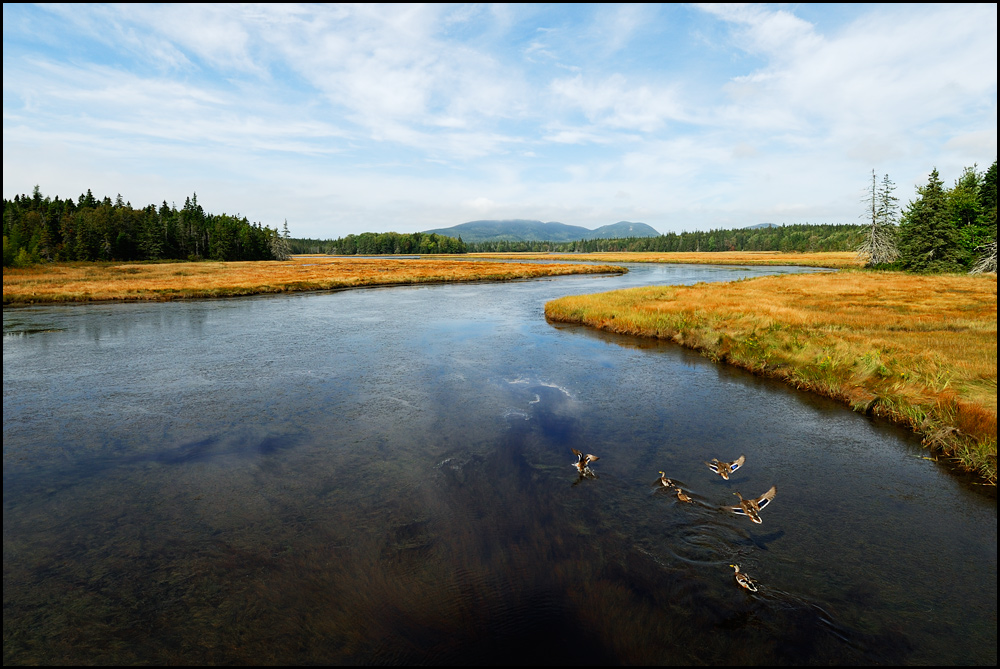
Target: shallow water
x=384 y=476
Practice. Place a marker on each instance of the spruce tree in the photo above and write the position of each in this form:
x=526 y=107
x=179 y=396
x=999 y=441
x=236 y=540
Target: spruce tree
x=965 y=206
x=929 y=236
x=986 y=253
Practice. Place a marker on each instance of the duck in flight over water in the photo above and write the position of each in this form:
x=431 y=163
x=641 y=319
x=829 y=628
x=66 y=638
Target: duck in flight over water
x=582 y=463
x=751 y=507
x=724 y=469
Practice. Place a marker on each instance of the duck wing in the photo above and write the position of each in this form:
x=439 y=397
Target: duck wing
x=766 y=498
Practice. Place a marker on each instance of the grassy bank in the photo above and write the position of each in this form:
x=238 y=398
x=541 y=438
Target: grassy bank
x=920 y=350
x=832 y=259
x=85 y=282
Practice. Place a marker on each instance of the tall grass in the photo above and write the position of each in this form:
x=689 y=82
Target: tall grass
x=79 y=282
x=921 y=350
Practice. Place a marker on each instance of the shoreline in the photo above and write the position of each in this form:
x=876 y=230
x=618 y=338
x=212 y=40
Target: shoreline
x=881 y=343
x=903 y=374
x=87 y=283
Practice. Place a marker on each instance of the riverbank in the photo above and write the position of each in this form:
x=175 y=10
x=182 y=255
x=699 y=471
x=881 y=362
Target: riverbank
x=90 y=282
x=919 y=350
x=829 y=259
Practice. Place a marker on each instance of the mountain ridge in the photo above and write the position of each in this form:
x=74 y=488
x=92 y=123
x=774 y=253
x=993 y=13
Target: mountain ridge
x=525 y=230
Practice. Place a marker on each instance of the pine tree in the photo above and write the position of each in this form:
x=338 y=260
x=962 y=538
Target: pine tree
x=929 y=237
x=986 y=252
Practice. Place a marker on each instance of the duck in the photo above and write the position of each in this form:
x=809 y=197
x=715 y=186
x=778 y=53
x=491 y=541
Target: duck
x=724 y=469
x=683 y=497
x=664 y=481
x=743 y=580
x=582 y=463
x=751 y=507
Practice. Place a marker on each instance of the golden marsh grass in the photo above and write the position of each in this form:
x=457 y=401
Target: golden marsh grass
x=921 y=350
x=84 y=282
x=832 y=259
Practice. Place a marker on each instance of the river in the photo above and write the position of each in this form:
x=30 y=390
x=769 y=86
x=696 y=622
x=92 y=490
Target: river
x=385 y=476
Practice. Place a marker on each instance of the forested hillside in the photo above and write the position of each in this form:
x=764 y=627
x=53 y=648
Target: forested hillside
x=517 y=230
x=37 y=228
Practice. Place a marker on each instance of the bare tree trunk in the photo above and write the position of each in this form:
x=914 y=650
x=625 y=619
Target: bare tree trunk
x=879 y=245
x=987 y=262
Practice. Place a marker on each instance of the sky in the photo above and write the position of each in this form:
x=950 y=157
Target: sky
x=341 y=119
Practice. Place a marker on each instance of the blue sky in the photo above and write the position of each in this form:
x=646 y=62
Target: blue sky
x=345 y=119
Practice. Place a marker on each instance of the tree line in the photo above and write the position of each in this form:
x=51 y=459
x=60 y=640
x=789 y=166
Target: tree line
x=798 y=237
x=381 y=243
x=941 y=230
x=37 y=229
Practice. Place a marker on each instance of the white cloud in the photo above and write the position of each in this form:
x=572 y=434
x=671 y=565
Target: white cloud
x=612 y=102
x=880 y=72
x=350 y=117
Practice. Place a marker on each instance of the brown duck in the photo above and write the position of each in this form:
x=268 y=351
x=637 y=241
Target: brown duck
x=751 y=507
x=582 y=463
x=743 y=580
x=724 y=469
x=664 y=481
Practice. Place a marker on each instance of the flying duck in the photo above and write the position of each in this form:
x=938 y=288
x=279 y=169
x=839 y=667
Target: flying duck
x=751 y=507
x=724 y=469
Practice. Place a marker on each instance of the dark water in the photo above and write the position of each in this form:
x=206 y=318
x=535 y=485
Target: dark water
x=384 y=477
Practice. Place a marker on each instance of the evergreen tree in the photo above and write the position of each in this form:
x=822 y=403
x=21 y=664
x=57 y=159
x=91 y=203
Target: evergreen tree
x=39 y=228
x=929 y=237
x=964 y=201
x=988 y=192
x=986 y=252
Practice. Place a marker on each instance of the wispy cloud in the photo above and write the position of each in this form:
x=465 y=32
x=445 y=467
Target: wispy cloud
x=342 y=118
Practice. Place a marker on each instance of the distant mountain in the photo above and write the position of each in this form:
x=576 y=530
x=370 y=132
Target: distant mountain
x=520 y=230
x=623 y=229
x=762 y=225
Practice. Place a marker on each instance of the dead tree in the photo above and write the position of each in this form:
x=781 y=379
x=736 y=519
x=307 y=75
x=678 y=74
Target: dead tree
x=279 y=246
x=879 y=244
x=987 y=260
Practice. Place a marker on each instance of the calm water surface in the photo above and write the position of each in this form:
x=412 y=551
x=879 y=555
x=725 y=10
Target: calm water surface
x=384 y=477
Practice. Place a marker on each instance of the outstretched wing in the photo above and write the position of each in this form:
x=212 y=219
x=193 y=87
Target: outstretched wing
x=591 y=458
x=766 y=498
x=578 y=454
x=733 y=466
x=737 y=509
x=714 y=466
